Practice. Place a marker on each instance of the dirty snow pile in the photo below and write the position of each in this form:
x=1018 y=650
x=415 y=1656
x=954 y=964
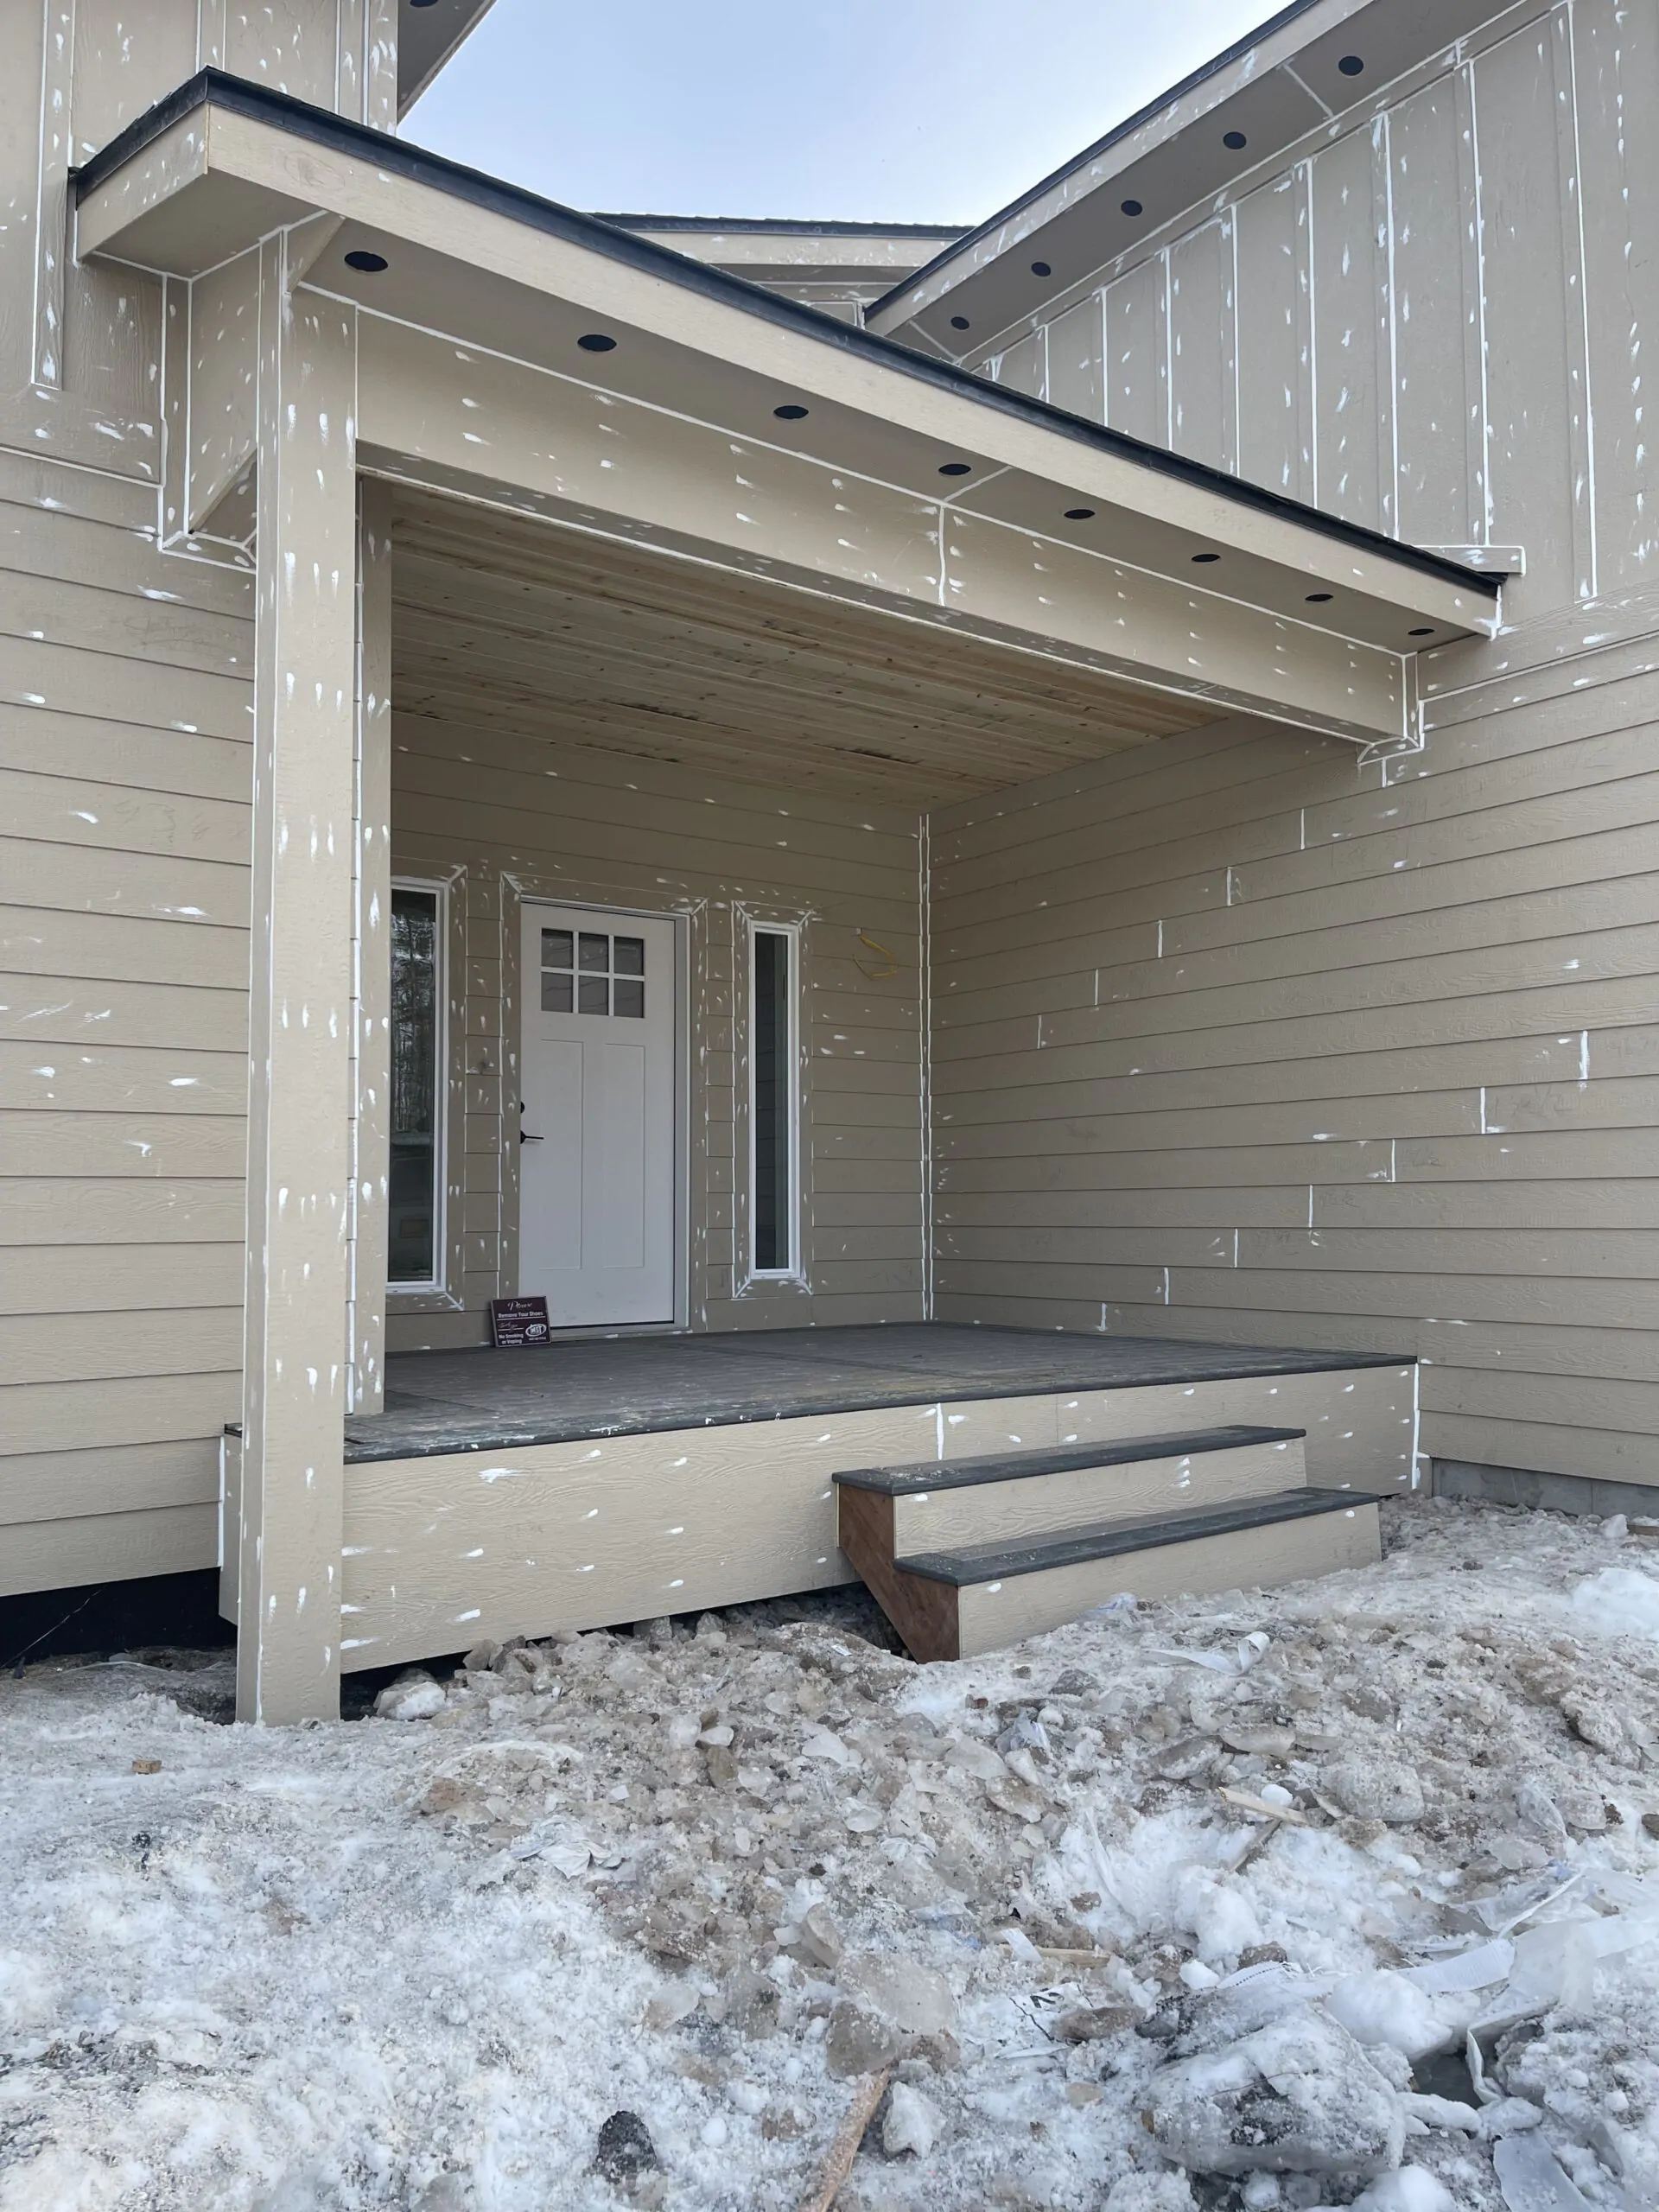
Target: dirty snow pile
x=1344 y=1895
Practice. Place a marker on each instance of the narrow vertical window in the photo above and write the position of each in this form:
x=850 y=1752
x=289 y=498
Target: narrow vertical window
x=414 y=1208
x=772 y=1117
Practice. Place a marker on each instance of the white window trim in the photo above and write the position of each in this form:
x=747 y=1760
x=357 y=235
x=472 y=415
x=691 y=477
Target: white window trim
x=795 y=1271
x=436 y=1284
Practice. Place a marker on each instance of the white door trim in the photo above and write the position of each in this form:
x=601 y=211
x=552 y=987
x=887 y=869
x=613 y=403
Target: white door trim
x=613 y=911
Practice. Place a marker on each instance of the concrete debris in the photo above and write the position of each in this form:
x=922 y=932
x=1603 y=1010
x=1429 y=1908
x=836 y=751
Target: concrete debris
x=1333 y=1894
x=413 y=1696
x=1377 y=1790
x=887 y=2007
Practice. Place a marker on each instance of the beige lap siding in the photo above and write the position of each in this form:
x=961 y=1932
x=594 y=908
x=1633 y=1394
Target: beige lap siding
x=1240 y=1039
x=125 y=726
x=495 y=813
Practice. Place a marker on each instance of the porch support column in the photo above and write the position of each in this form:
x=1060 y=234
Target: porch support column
x=371 y=956
x=300 y=1016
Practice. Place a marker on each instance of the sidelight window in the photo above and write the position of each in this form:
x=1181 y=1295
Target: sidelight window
x=774 y=1113
x=415 y=1193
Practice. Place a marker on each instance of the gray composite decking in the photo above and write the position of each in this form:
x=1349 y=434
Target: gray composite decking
x=485 y=1401
x=998 y=1562
x=922 y=1476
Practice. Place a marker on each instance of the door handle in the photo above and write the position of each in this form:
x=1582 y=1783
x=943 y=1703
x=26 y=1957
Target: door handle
x=525 y=1137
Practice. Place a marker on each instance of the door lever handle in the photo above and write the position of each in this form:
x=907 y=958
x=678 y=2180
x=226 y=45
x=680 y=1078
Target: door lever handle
x=525 y=1137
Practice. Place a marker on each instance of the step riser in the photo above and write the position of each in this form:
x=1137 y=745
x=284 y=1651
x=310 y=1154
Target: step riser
x=991 y=1615
x=989 y=1512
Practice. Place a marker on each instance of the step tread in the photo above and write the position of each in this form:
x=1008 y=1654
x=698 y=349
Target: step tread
x=971 y=1563
x=926 y=1475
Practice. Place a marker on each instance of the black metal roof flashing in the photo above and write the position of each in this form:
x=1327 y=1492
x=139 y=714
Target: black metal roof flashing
x=322 y=127
x=793 y=227
x=1115 y=136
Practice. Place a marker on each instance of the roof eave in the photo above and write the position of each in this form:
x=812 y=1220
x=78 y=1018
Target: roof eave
x=99 y=193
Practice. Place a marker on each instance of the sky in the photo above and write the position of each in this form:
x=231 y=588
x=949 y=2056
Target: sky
x=896 y=110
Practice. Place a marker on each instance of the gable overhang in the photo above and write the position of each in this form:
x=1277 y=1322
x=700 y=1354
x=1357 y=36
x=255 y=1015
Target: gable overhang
x=888 y=479
x=429 y=32
x=1311 y=64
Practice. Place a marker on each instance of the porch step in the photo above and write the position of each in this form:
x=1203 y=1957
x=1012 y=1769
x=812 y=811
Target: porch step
x=948 y=1501
x=955 y=1601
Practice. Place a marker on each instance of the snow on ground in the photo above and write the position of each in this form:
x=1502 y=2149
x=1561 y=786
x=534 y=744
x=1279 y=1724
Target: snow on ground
x=1224 y=1882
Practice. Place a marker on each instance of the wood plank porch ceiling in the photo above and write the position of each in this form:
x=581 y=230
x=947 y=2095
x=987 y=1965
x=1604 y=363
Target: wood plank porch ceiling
x=527 y=629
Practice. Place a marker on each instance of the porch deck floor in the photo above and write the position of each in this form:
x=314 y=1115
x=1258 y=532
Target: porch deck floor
x=486 y=1401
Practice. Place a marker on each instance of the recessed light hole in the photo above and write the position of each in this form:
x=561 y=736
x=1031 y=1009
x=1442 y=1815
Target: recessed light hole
x=1422 y=633
x=370 y=263
x=1235 y=140
x=1133 y=207
x=595 y=342
x=958 y=323
x=1320 y=597
x=791 y=413
x=955 y=469
x=1041 y=268
x=1205 y=559
x=1079 y=514
x=1350 y=65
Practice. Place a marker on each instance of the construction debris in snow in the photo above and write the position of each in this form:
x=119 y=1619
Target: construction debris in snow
x=1345 y=1894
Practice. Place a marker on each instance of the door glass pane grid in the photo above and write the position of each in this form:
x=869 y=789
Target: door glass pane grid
x=587 y=971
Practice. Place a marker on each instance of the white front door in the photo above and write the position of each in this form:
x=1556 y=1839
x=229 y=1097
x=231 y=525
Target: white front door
x=596 y=1162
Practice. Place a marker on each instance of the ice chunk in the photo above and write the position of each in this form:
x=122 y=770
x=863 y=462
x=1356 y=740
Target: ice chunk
x=912 y=2124
x=1221 y=1919
x=1531 y=2179
x=1414 y=2189
x=1475 y=1969
x=1298 y=2096
x=1444 y=2111
x=1164 y=2192
x=1384 y=2007
x=824 y=1744
x=1620 y=1601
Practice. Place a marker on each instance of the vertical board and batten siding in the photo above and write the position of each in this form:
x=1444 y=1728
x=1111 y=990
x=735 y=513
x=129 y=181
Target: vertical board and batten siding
x=125 y=755
x=1438 y=320
x=1245 y=1038
x=496 y=816
x=1238 y=1039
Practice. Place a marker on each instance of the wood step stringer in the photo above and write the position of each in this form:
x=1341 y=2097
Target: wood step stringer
x=924 y=1612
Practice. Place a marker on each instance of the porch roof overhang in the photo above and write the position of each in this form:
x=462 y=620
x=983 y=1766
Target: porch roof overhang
x=890 y=479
